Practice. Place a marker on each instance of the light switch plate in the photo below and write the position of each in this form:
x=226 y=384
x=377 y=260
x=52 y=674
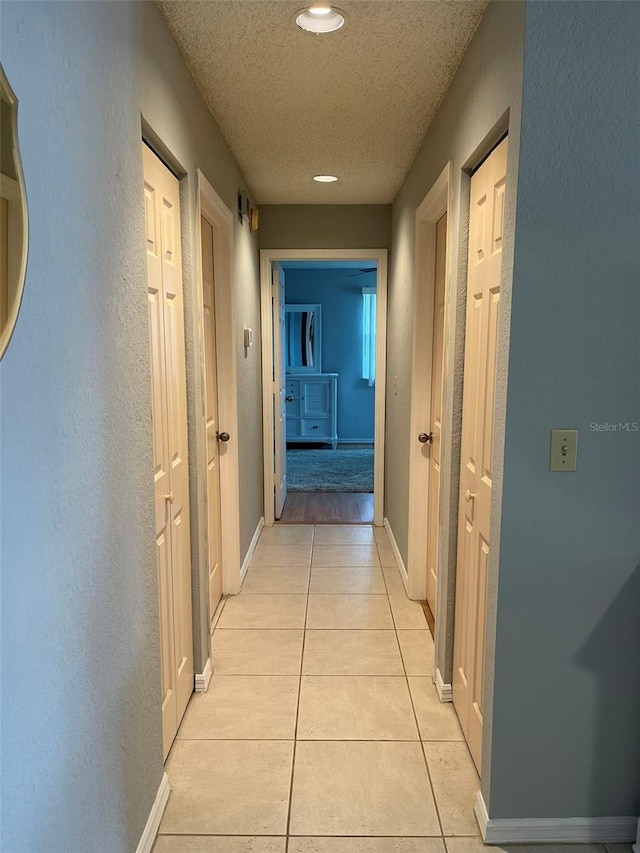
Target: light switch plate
x=564 y=450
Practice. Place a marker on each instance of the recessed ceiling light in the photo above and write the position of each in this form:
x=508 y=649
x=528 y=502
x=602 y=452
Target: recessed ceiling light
x=325 y=179
x=320 y=18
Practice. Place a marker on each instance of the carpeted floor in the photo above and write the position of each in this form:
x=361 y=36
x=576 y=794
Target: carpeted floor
x=330 y=470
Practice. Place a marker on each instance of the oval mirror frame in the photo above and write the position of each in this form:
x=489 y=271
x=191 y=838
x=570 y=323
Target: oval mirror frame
x=14 y=228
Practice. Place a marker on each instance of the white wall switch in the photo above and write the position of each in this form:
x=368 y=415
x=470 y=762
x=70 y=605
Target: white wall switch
x=248 y=338
x=564 y=450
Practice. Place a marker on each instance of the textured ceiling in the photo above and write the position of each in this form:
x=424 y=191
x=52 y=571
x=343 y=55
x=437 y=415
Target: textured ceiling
x=355 y=103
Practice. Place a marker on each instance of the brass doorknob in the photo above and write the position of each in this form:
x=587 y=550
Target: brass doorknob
x=223 y=436
x=425 y=438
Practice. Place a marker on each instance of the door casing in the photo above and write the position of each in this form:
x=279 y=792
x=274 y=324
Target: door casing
x=212 y=422
x=279 y=382
x=436 y=203
x=267 y=258
x=212 y=207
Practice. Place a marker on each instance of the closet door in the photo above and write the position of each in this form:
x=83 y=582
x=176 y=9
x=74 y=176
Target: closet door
x=169 y=408
x=486 y=221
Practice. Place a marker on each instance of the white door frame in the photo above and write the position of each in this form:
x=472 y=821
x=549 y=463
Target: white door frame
x=212 y=207
x=269 y=256
x=436 y=203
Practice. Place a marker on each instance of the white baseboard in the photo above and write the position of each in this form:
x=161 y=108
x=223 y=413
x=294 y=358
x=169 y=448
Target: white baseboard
x=482 y=815
x=569 y=830
x=216 y=617
x=445 y=691
x=203 y=678
x=396 y=553
x=252 y=547
x=155 y=816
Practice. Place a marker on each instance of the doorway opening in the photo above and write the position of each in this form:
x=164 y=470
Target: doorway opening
x=324 y=335
x=329 y=355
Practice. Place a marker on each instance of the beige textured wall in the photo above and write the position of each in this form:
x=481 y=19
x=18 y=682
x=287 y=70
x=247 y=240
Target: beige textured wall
x=247 y=305
x=486 y=87
x=308 y=226
x=173 y=108
x=79 y=576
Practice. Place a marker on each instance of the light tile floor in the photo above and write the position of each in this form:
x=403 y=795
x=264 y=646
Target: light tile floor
x=321 y=731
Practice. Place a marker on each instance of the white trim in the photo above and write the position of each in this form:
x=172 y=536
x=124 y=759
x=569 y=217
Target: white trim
x=252 y=548
x=445 y=691
x=269 y=256
x=212 y=207
x=380 y=389
x=216 y=618
x=436 y=203
x=147 y=840
x=396 y=553
x=569 y=830
x=482 y=815
x=268 y=426
x=203 y=679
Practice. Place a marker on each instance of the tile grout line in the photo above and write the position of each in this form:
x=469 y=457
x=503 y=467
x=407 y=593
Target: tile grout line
x=426 y=764
x=298 y=628
x=415 y=717
x=331 y=837
x=293 y=756
x=287 y=837
x=295 y=728
x=321 y=739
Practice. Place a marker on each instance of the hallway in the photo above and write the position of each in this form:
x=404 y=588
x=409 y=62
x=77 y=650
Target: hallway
x=321 y=718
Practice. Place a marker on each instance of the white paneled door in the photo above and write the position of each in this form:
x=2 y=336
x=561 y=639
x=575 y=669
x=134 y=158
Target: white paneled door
x=279 y=389
x=486 y=222
x=433 y=513
x=214 y=526
x=171 y=467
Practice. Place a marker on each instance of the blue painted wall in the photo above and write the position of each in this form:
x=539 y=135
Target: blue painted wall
x=341 y=298
x=566 y=731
